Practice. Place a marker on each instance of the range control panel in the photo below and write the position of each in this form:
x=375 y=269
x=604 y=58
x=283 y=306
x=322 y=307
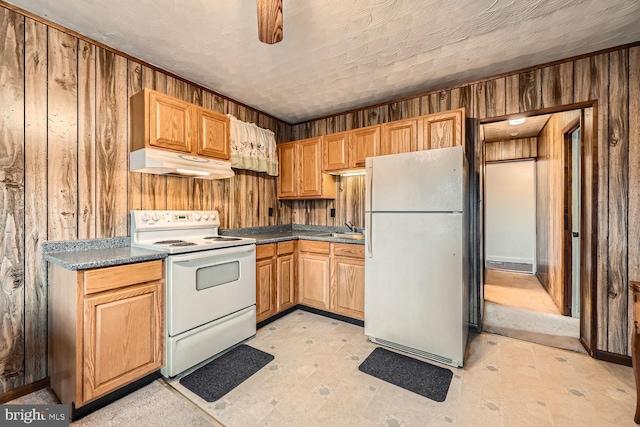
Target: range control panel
x=173 y=219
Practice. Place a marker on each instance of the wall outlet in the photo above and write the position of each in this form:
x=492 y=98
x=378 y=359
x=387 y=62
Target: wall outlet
x=333 y=213
x=270 y=211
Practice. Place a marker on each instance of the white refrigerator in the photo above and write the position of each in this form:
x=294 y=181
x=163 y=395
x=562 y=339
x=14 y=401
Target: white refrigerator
x=416 y=253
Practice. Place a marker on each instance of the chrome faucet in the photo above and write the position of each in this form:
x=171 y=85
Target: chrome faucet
x=350 y=226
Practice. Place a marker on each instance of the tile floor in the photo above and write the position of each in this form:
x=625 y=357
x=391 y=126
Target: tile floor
x=520 y=290
x=314 y=381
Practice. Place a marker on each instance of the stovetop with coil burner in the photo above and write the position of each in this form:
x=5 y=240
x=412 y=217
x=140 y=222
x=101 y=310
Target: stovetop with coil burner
x=180 y=231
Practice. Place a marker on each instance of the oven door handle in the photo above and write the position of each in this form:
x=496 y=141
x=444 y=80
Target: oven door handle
x=213 y=253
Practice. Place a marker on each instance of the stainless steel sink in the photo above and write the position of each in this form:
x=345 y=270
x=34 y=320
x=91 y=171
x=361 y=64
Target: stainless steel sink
x=355 y=236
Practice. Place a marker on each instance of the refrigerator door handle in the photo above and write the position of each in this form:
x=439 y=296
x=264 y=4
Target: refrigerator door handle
x=368 y=208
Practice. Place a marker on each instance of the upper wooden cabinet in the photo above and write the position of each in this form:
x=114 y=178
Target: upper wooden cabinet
x=399 y=137
x=300 y=171
x=441 y=130
x=348 y=150
x=164 y=122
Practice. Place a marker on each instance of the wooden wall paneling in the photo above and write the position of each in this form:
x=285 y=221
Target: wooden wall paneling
x=35 y=194
x=197 y=186
x=557 y=85
x=444 y=97
x=62 y=136
x=633 y=239
x=12 y=297
x=495 y=98
x=591 y=82
x=508 y=149
x=111 y=147
x=477 y=93
x=512 y=94
x=222 y=200
x=618 y=286
x=218 y=104
x=434 y=103
x=134 y=85
x=255 y=196
x=86 y=140
x=529 y=90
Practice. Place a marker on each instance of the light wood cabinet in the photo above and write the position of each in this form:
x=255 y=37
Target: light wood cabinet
x=399 y=137
x=441 y=130
x=314 y=273
x=347 y=280
x=275 y=278
x=265 y=288
x=300 y=171
x=286 y=275
x=349 y=150
x=163 y=122
x=106 y=328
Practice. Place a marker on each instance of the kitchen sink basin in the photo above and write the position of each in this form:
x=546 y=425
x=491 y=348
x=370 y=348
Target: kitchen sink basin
x=355 y=236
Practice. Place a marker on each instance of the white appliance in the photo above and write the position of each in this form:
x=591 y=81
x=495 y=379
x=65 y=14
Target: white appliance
x=210 y=283
x=416 y=261
x=162 y=162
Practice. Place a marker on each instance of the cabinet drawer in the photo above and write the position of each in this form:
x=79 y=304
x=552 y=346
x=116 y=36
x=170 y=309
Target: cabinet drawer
x=265 y=251
x=348 y=250
x=314 y=246
x=104 y=279
x=286 y=247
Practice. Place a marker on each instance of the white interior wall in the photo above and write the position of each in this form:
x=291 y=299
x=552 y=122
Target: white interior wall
x=510 y=222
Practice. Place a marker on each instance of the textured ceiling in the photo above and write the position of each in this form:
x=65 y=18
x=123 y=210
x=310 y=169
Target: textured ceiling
x=502 y=131
x=337 y=54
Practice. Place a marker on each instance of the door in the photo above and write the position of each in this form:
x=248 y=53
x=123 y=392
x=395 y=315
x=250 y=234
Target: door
x=213 y=134
x=442 y=130
x=399 y=137
x=169 y=123
x=207 y=285
x=363 y=143
x=287 y=176
x=335 y=151
x=347 y=296
x=286 y=281
x=416 y=284
x=310 y=164
x=265 y=289
x=123 y=337
x=575 y=223
x=314 y=271
x=416 y=182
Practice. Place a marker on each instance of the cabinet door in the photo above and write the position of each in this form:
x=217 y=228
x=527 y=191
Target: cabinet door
x=213 y=134
x=442 y=130
x=310 y=164
x=287 y=174
x=169 y=123
x=363 y=143
x=313 y=277
x=286 y=269
x=335 y=151
x=347 y=287
x=265 y=289
x=399 y=137
x=123 y=337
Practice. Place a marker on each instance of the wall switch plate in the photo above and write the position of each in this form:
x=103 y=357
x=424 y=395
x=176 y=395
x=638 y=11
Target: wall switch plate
x=270 y=211
x=333 y=212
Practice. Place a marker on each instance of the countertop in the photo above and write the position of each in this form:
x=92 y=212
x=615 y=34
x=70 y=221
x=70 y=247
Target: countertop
x=95 y=253
x=274 y=234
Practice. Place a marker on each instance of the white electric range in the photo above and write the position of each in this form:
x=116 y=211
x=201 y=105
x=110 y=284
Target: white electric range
x=210 y=283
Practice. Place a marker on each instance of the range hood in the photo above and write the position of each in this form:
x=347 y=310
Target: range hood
x=160 y=162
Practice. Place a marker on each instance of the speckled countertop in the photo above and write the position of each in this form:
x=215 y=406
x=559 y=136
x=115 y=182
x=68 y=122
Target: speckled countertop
x=281 y=233
x=95 y=253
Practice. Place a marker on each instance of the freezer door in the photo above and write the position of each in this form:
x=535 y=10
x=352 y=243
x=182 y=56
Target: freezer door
x=421 y=181
x=414 y=282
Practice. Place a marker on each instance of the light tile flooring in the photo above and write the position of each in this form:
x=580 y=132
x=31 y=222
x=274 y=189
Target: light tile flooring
x=520 y=290
x=314 y=381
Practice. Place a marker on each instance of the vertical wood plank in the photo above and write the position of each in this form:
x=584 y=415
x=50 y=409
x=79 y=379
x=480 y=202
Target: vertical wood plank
x=62 y=136
x=134 y=85
x=178 y=188
x=529 y=90
x=512 y=94
x=557 y=85
x=86 y=140
x=496 y=98
x=11 y=200
x=35 y=188
x=618 y=289
x=633 y=239
x=111 y=144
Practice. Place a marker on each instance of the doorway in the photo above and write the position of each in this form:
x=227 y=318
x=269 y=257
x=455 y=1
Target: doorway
x=538 y=196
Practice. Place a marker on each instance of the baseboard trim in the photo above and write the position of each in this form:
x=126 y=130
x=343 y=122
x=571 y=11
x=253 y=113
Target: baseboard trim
x=335 y=316
x=275 y=317
x=77 y=413
x=613 y=358
x=24 y=390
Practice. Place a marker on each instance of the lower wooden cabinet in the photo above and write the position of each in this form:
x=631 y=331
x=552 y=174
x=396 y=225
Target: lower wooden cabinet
x=265 y=288
x=314 y=280
x=347 y=287
x=275 y=278
x=286 y=285
x=106 y=328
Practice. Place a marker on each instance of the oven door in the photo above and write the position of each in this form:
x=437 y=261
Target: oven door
x=205 y=286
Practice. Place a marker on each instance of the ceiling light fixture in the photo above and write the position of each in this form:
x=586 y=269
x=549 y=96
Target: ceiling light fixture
x=269 y=21
x=514 y=134
x=357 y=173
x=518 y=121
